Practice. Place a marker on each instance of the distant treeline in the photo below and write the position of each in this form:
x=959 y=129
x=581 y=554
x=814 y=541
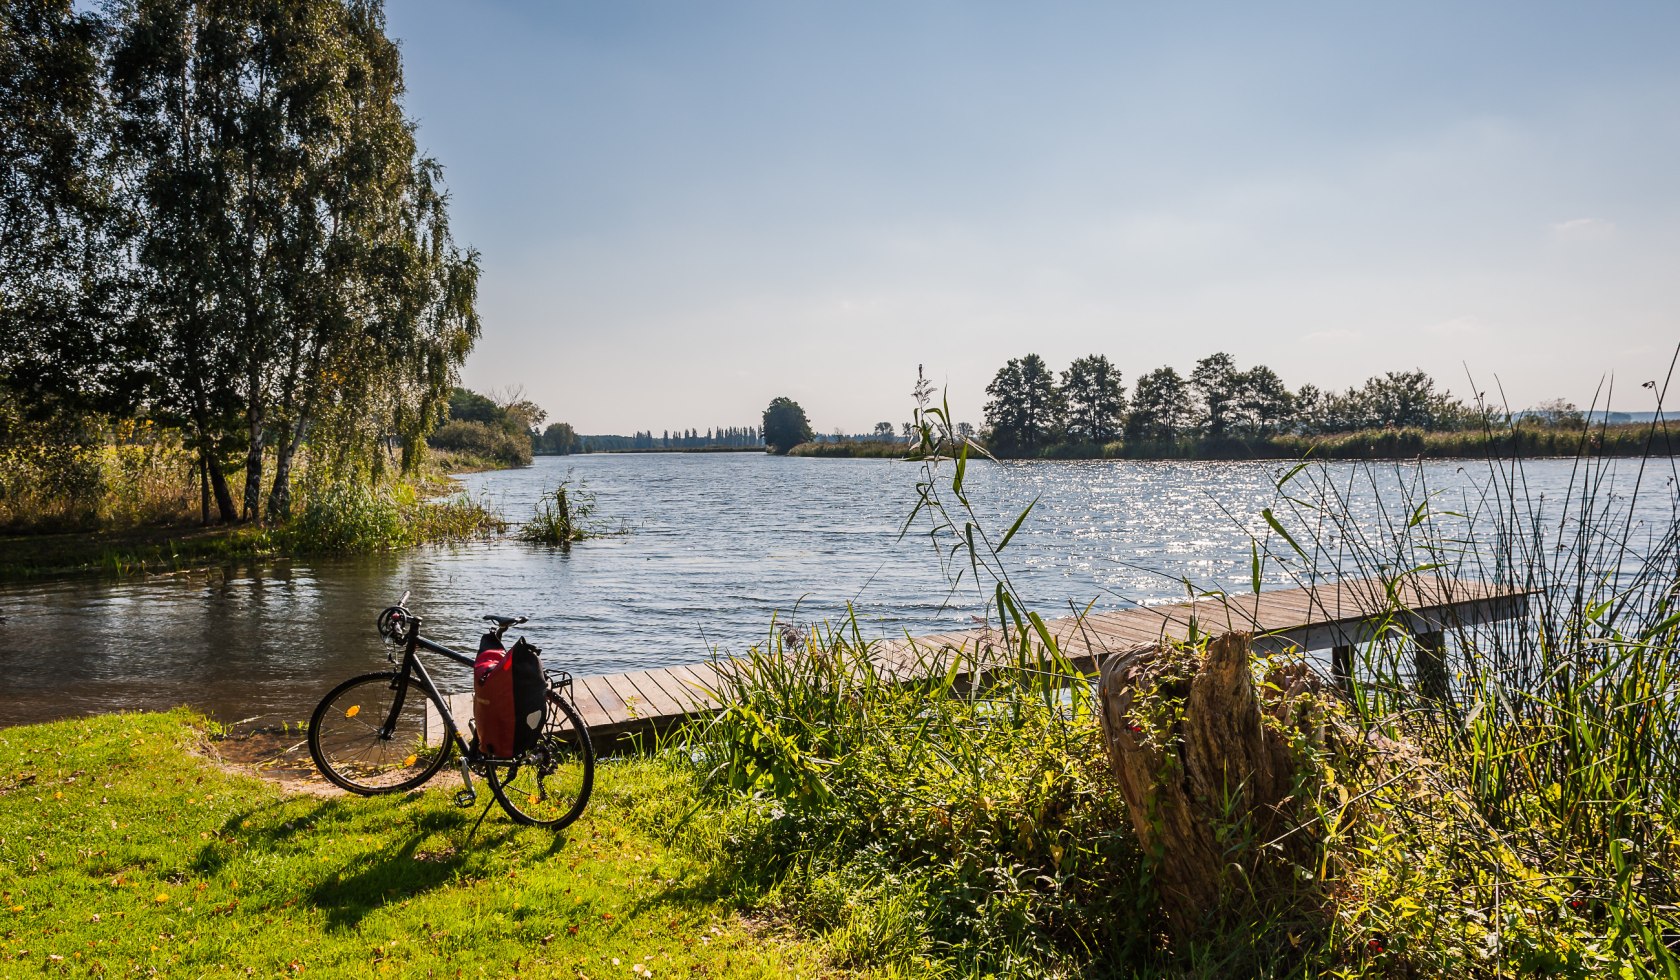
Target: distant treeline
x=508 y=430
x=1220 y=410
x=721 y=437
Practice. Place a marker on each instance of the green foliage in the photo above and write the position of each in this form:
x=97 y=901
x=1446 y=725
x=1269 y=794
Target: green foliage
x=125 y=849
x=785 y=425
x=1096 y=399
x=491 y=443
x=348 y=517
x=1025 y=408
x=219 y=212
x=110 y=476
x=559 y=439
x=1161 y=406
x=853 y=449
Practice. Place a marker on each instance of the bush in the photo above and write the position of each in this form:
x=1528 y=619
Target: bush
x=489 y=442
x=983 y=825
x=96 y=478
x=349 y=517
x=346 y=517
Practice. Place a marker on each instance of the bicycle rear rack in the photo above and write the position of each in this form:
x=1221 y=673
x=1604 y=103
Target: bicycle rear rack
x=559 y=680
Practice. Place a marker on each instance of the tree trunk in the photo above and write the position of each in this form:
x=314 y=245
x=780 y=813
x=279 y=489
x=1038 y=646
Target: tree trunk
x=1207 y=780
x=219 y=487
x=252 y=509
x=280 y=497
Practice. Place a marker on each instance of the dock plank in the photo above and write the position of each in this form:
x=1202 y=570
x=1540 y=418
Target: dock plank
x=1315 y=618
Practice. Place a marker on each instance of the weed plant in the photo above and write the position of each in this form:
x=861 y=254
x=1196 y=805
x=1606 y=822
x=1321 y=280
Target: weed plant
x=1525 y=817
x=562 y=517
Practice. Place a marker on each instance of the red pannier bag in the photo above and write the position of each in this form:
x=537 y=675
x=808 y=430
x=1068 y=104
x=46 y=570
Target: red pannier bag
x=510 y=697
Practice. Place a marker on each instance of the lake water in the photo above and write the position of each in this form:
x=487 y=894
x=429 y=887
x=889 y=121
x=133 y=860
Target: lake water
x=713 y=545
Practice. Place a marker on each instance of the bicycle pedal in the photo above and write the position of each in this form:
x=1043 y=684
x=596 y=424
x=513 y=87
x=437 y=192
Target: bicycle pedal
x=465 y=798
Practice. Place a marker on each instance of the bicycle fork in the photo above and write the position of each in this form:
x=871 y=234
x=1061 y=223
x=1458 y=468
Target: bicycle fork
x=466 y=797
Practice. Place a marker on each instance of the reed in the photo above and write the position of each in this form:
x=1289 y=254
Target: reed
x=562 y=517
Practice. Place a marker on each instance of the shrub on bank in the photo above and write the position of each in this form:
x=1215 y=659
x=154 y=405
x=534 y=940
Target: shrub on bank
x=349 y=517
x=491 y=442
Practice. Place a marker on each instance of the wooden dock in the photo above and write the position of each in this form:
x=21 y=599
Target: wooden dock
x=1331 y=618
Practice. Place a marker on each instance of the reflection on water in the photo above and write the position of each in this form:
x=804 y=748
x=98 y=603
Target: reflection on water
x=716 y=543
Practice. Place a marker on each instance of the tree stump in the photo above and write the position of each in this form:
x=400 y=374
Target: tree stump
x=1208 y=766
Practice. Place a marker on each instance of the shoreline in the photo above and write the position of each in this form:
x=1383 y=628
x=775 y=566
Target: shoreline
x=168 y=548
x=1617 y=441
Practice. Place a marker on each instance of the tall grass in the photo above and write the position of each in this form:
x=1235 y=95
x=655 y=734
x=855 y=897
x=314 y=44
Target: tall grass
x=1517 y=817
x=131 y=473
x=921 y=819
x=1544 y=801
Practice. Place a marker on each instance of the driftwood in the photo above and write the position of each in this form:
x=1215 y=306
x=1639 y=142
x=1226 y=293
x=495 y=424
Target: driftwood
x=1208 y=765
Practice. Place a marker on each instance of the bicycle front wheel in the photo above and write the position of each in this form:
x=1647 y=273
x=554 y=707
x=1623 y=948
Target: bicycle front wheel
x=366 y=742
x=550 y=783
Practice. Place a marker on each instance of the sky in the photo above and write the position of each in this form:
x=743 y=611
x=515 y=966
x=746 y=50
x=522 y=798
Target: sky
x=686 y=209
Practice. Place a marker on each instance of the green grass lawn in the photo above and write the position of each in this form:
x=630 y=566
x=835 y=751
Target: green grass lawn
x=125 y=850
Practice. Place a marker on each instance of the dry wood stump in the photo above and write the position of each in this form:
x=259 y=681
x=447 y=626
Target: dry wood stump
x=1209 y=764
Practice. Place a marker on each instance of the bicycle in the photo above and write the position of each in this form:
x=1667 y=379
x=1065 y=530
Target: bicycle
x=370 y=736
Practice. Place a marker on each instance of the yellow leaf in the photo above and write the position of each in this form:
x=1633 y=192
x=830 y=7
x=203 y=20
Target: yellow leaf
x=410 y=760
x=161 y=897
x=351 y=711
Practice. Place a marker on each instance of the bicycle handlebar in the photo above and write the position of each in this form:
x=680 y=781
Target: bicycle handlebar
x=398 y=625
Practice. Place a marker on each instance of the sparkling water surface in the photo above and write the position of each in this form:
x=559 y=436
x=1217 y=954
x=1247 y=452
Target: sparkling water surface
x=712 y=546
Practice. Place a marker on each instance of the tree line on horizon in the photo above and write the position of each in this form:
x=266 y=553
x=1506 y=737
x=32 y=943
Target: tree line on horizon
x=1029 y=408
x=507 y=427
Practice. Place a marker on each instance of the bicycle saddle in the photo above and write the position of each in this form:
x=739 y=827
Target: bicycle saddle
x=505 y=621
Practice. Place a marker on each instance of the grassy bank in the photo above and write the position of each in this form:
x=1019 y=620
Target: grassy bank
x=1373 y=444
x=124 y=850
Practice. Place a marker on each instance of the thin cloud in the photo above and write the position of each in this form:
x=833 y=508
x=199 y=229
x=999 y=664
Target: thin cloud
x=1457 y=328
x=1582 y=231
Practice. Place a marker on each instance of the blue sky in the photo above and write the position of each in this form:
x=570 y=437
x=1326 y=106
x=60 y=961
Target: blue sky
x=685 y=209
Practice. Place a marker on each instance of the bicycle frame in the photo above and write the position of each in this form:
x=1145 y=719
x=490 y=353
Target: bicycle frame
x=413 y=667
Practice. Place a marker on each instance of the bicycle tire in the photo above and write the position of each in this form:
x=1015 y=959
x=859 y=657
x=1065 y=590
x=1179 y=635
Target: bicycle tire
x=533 y=790
x=347 y=745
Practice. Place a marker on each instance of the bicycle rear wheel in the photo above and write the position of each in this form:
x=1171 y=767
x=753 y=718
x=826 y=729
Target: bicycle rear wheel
x=361 y=744
x=550 y=783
